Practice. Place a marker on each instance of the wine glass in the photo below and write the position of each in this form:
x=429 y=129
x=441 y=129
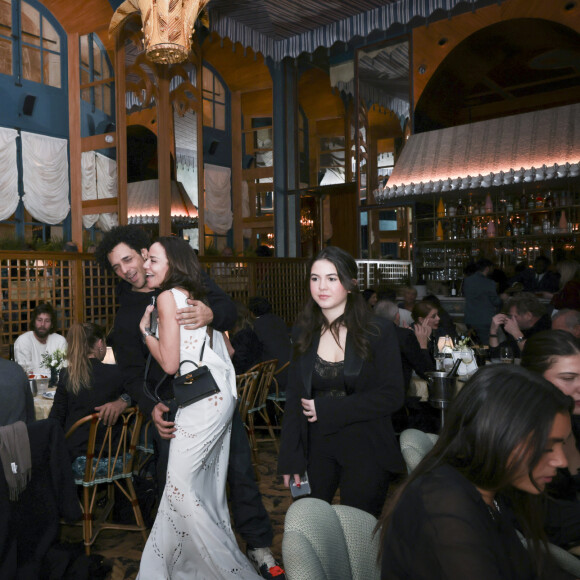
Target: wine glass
x=506 y=354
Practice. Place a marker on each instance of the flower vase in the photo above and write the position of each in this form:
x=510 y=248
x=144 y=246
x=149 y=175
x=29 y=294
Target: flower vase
x=53 y=377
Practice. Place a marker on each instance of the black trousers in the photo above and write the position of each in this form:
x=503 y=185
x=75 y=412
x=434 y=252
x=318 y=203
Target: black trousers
x=251 y=520
x=340 y=461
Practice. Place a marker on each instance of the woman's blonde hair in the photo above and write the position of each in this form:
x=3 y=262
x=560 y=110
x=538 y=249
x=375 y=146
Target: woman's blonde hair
x=81 y=339
x=569 y=270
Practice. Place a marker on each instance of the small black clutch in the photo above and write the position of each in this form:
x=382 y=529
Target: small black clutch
x=194 y=385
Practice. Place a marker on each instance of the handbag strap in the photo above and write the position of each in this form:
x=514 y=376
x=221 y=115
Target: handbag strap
x=153 y=396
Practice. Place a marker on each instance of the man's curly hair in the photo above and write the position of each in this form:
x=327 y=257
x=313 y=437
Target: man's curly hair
x=134 y=236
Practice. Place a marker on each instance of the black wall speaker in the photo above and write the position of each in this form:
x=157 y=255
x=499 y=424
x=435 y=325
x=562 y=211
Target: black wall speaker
x=28 y=106
x=213 y=146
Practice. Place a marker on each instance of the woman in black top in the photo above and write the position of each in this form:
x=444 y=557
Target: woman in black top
x=87 y=385
x=344 y=383
x=454 y=516
x=555 y=354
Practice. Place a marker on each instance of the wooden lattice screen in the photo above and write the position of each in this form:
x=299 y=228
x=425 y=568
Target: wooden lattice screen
x=80 y=291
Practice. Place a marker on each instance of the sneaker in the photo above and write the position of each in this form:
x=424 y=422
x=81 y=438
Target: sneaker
x=265 y=564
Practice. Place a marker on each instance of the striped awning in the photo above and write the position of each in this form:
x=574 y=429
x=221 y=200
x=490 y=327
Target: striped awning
x=143 y=204
x=530 y=147
x=288 y=28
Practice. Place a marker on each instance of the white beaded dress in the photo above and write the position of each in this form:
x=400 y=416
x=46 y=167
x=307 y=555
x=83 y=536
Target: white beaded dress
x=192 y=536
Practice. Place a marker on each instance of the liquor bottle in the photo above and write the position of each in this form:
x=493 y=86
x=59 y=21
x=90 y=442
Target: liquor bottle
x=439 y=234
x=523 y=200
x=549 y=200
x=531 y=201
x=451 y=210
x=516 y=204
x=460 y=208
x=509 y=205
x=488 y=204
x=441 y=208
x=470 y=206
x=539 y=200
x=563 y=223
x=491 y=229
x=508 y=228
x=546 y=225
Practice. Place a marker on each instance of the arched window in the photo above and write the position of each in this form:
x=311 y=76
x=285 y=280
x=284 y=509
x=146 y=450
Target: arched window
x=31 y=43
x=95 y=68
x=214 y=101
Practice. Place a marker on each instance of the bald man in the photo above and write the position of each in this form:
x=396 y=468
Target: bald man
x=568 y=320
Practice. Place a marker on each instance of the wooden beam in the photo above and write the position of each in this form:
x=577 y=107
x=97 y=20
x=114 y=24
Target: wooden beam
x=236 y=130
x=121 y=139
x=74 y=128
x=200 y=172
x=109 y=205
x=96 y=142
x=258 y=173
x=164 y=139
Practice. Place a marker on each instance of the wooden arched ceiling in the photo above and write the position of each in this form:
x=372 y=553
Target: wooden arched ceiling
x=434 y=43
x=384 y=124
x=510 y=67
x=241 y=70
x=84 y=17
x=317 y=98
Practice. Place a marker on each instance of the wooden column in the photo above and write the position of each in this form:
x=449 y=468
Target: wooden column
x=121 y=118
x=236 y=103
x=200 y=170
x=74 y=130
x=164 y=139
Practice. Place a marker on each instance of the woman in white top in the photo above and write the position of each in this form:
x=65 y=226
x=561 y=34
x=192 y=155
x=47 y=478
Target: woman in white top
x=192 y=535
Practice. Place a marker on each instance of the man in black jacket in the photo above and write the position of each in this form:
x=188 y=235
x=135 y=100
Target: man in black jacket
x=124 y=251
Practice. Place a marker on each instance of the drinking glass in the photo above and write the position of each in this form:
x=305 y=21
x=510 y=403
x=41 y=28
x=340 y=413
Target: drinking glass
x=506 y=354
x=481 y=355
x=466 y=355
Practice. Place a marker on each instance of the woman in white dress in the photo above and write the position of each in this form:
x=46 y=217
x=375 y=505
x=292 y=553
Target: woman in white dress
x=192 y=536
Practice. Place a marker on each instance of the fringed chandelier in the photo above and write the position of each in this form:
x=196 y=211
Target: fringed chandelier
x=167 y=26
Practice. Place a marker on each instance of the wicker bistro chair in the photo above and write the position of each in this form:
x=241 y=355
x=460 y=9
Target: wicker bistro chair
x=145 y=450
x=266 y=370
x=246 y=384
x=278 y=398
x=108 y=463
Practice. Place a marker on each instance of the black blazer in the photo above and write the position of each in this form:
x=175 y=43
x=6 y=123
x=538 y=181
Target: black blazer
x=374 y=391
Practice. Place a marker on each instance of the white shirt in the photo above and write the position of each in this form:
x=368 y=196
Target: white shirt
x=28 y=351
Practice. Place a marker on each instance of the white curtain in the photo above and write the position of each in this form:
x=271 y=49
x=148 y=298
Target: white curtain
x=45 y=175
x=99 y=182
x=8 y=173
x=89 y=184
x=218 y=204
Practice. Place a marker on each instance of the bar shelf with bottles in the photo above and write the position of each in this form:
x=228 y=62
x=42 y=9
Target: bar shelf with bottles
x=506 y=227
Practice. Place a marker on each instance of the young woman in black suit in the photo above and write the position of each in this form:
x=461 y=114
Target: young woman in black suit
x=345 y=381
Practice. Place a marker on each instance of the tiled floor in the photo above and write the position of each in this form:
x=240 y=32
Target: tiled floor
x=123 y=549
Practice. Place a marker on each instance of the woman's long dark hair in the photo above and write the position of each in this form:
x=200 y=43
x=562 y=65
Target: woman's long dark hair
x=542 y=349
x=498 y=424
x=422 y=309
x=357 y=315
x=81 y=340
x=184 y=268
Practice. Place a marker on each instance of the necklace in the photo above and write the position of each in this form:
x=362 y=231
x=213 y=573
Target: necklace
x=494 y=510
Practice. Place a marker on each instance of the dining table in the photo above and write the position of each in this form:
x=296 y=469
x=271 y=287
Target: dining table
x=43 y=404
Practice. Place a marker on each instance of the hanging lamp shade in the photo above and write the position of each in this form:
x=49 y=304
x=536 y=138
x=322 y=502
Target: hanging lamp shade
x=167 y=26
